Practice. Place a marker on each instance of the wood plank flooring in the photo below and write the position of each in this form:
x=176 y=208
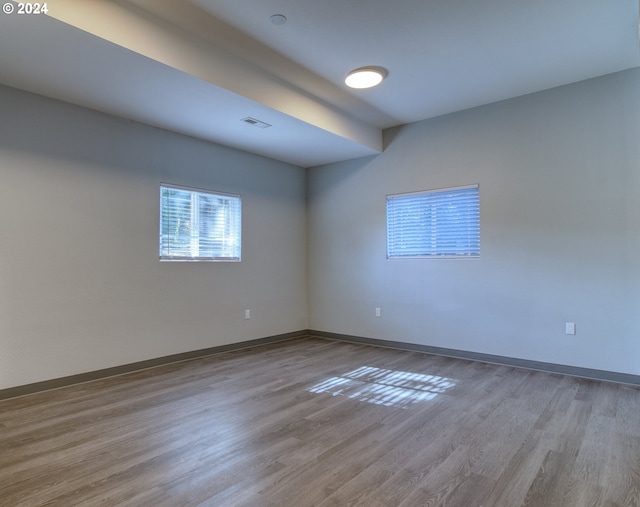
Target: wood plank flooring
x=313 y=422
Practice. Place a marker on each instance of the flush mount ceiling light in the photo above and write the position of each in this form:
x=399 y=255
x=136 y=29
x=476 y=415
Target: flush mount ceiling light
x=365 y=77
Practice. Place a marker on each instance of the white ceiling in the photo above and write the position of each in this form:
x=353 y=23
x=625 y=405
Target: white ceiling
x=198 y=67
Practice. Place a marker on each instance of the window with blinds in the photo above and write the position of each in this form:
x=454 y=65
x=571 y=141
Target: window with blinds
x=197 y=225
x=434 y=224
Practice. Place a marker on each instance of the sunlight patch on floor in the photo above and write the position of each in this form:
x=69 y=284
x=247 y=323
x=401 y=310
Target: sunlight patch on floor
x=379 y=386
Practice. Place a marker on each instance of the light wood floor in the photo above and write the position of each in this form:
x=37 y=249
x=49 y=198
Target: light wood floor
x=313 y=422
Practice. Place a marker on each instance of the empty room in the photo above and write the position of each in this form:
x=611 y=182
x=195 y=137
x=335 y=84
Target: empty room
x=299 y=253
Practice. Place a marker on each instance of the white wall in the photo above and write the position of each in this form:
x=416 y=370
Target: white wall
x=559 y=175
x=81 y=287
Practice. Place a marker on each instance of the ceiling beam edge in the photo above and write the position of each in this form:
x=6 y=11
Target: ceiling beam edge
x=174 y=47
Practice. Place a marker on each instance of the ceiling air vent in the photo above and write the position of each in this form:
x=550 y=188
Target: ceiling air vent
x=256 y=123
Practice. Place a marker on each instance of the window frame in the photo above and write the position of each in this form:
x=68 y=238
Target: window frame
x=196 y=218
x=473 y=251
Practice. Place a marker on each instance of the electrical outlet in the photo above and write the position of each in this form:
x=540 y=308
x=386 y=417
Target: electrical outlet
x=570 y=328
x=378 y=314
x=247 y=314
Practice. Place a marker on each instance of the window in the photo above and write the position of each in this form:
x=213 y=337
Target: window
x=434 y=224
x=197 y=225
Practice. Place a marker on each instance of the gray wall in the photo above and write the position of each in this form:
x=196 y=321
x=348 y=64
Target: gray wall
x=81 y=287
x=559 y=175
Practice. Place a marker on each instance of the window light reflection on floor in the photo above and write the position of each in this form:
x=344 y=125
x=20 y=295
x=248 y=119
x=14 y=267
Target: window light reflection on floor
x=379 y=386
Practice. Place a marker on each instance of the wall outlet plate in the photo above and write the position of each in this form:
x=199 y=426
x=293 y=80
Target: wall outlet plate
x=570 y=328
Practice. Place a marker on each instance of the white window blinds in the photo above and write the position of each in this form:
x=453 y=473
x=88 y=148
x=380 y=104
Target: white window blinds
x=199 y=225
x=438 y=223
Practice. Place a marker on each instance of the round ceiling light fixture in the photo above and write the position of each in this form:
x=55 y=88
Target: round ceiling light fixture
x=365 y=77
